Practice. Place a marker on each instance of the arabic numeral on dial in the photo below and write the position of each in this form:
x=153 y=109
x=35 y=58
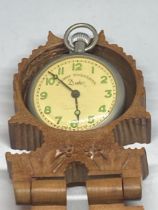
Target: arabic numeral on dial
x=108 y=93
x=60 y=70
x=77 y=66
x=104 y=79
x=50 y=81
x=74 y=124
x=92 y=69
x=47 y=110
x=91 y=119
x=43 y=95
x=102 y=108
x=58 y=118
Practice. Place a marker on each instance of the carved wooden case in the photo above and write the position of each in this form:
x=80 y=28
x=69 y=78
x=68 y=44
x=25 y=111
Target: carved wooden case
x=113 y=173
x=27 y=132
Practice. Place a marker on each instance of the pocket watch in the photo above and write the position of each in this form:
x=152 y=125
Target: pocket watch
x=79 y=90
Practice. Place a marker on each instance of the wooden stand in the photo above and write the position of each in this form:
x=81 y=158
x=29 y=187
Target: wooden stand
x=93 y=207
x=114 y=174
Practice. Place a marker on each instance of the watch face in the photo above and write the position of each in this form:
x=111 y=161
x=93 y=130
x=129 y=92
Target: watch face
x=76 y=92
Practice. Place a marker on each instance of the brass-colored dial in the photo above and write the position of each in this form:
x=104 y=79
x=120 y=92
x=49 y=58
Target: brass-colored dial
x=76 y=92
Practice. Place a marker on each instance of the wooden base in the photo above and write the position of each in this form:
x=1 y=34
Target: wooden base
x=93 y=207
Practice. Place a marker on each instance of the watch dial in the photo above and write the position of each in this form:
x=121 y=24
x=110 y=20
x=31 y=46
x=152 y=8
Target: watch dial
x=73 y=93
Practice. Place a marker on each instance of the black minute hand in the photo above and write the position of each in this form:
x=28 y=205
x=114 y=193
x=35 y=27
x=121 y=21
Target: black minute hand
x=56 y=77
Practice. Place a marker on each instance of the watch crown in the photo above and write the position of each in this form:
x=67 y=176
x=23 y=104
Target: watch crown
x=80 y=42
x=83 y=37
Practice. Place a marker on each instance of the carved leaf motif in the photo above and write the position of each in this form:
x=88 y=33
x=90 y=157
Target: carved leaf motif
x=53 y=160
x=52 y=39
x=109 y=156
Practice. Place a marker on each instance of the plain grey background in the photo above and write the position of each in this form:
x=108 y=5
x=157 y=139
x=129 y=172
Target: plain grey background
x=132 y=24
